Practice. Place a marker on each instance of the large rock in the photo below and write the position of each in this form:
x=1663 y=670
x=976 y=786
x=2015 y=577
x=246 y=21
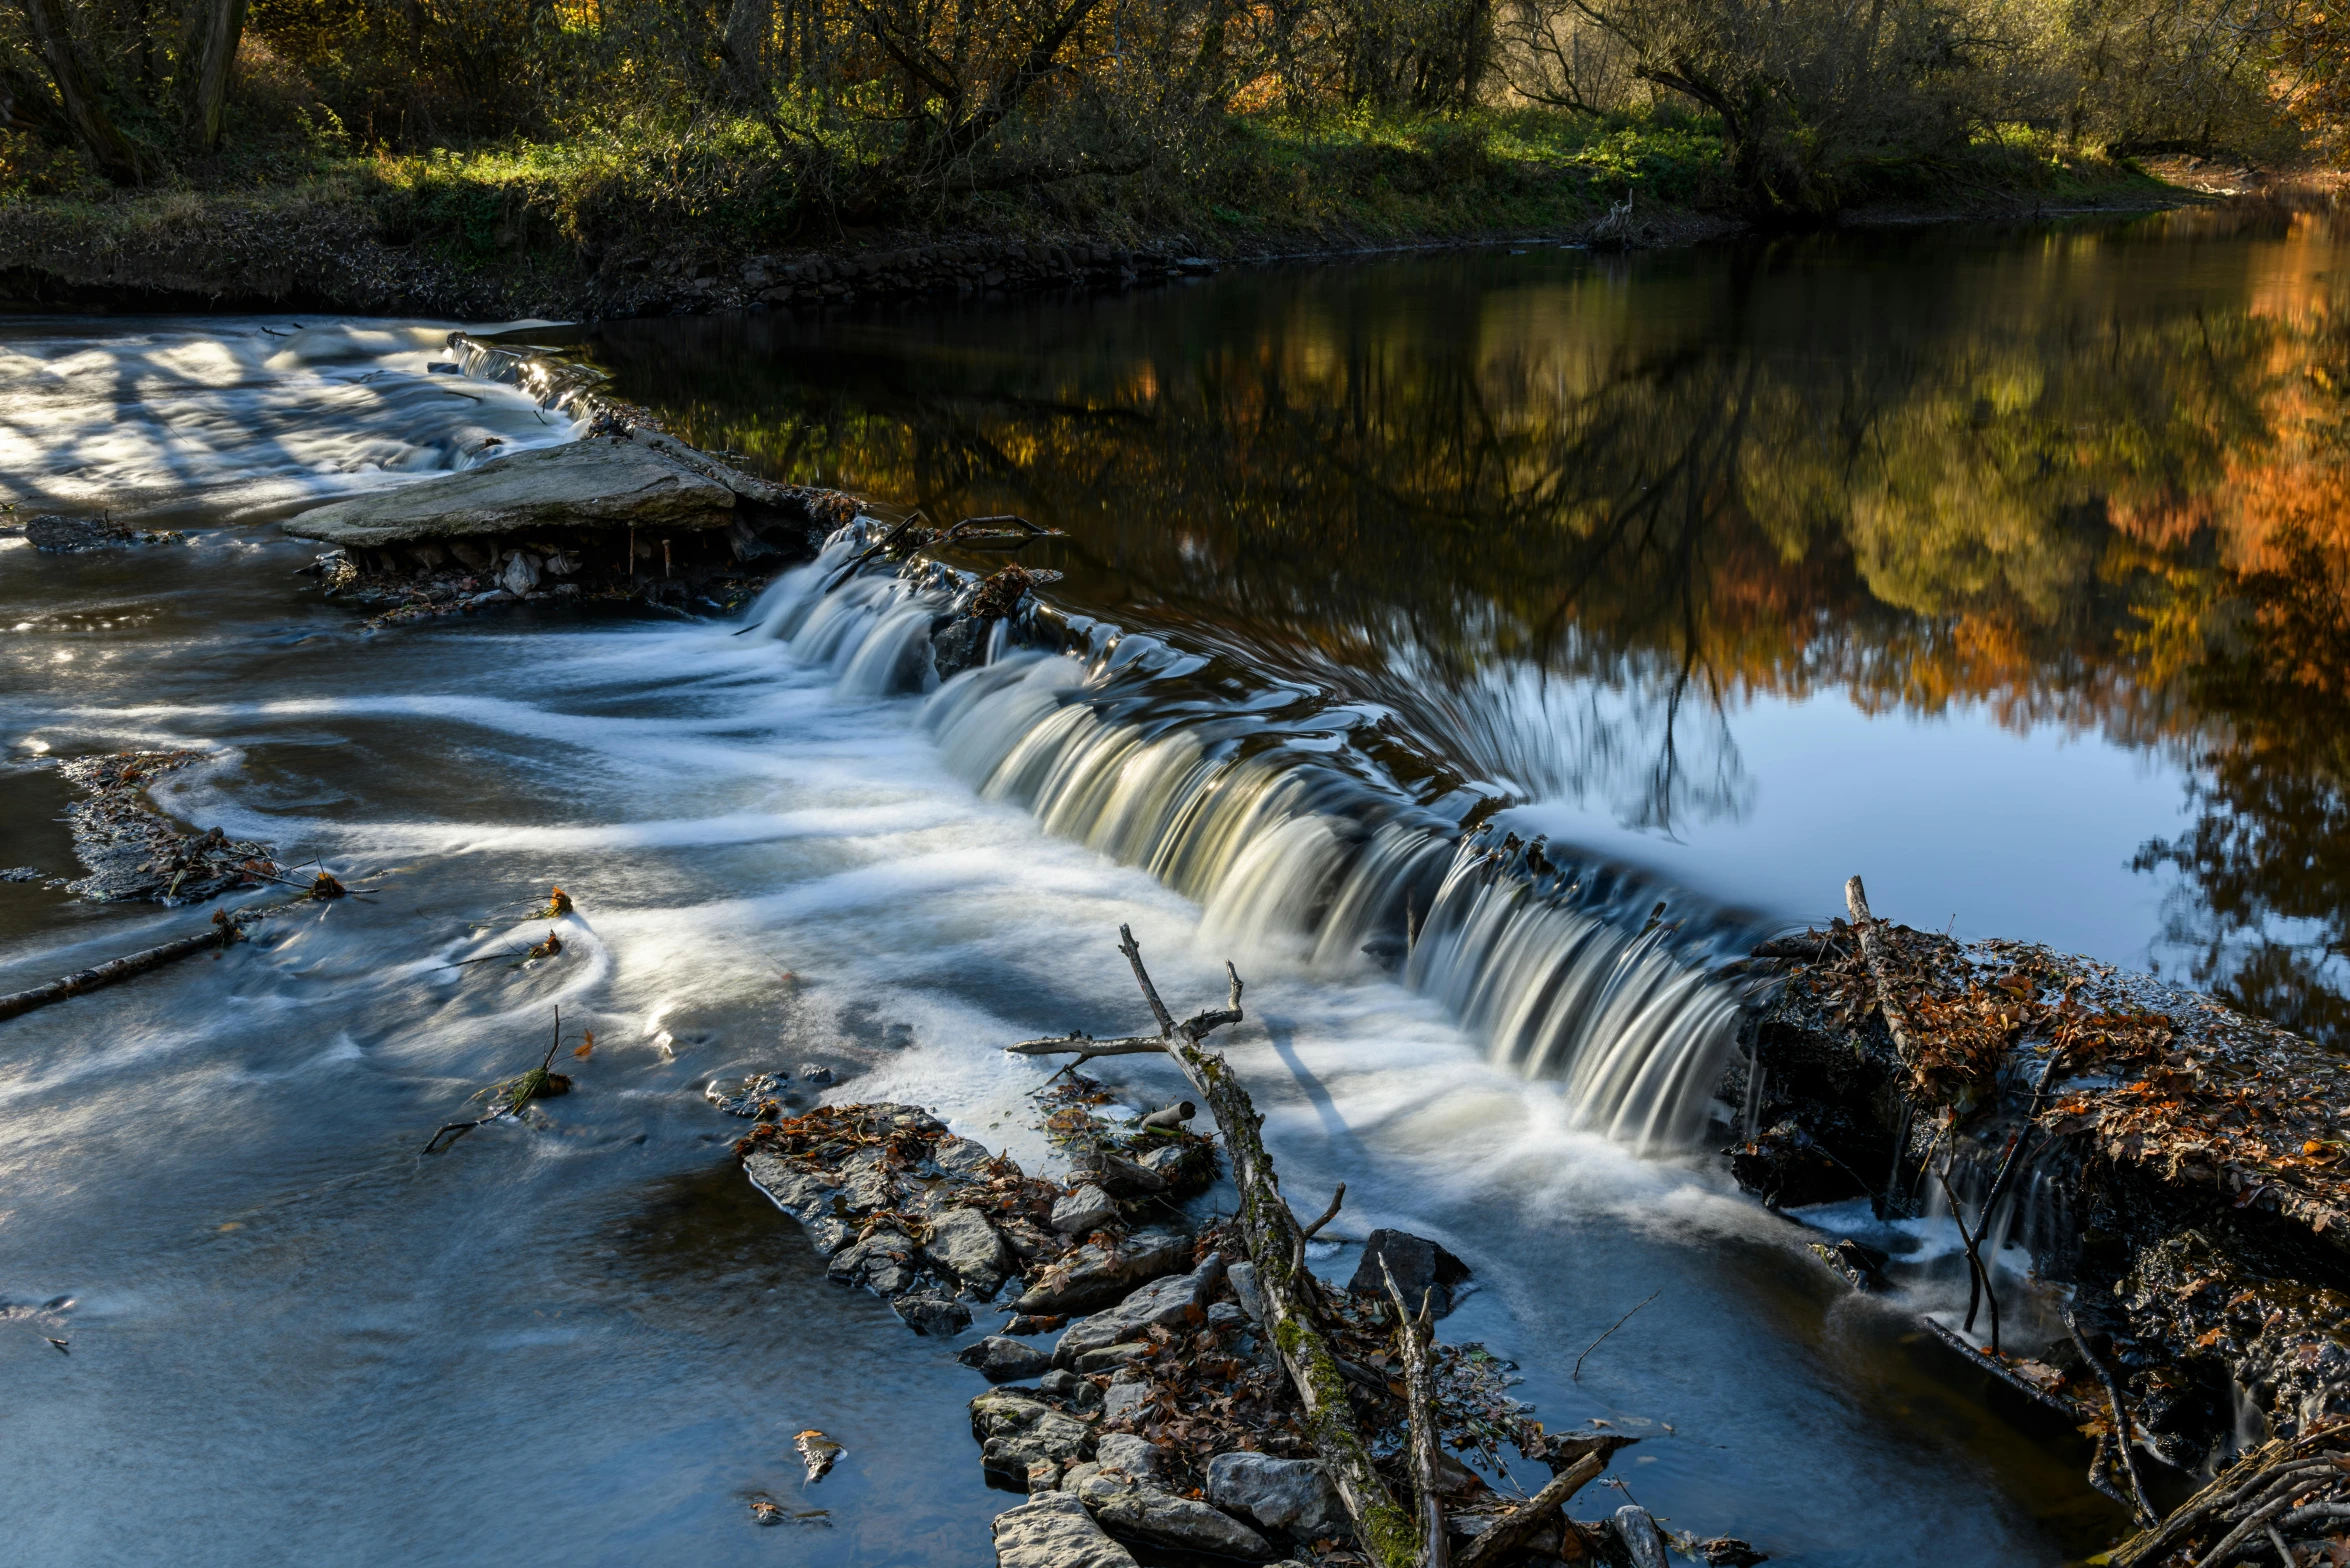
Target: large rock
x=1087 y=1209
x=927 y=1312
x=1095 y=1276
x=1291 y=1496
x=1418 y=1265
x=964 y=1244
x=1134 y=1509
x=1178 y=1299
x=1016 y=1429
x=597 y=483
x=1002 y=1360
x=1053 y=1530
x=1637 y=1533
x=883 y=1261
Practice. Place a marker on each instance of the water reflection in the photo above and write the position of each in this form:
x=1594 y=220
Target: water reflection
x=1592 y=528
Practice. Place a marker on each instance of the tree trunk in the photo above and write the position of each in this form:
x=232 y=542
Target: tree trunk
x=78 y=95
x=224 y=29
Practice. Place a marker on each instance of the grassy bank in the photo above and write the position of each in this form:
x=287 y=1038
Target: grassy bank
x=637 y=220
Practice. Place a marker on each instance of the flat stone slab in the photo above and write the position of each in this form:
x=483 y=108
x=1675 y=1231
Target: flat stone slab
x=596 y=483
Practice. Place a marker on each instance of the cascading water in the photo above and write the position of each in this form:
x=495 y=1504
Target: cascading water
x=1269 y=805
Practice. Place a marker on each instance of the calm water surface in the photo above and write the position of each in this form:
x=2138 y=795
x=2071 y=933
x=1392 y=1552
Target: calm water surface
x=1746 y=568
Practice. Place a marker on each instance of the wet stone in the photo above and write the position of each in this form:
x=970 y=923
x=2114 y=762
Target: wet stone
x=1087 y=1209
x=1418 y=1264
x=939 y=1317
x=1002 y=1360
x=1054 y=1530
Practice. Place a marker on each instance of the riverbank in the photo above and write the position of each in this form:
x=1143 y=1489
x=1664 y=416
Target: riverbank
x=585 y=232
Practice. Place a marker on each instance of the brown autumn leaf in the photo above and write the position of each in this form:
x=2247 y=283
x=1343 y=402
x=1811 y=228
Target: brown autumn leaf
x=585 y=1047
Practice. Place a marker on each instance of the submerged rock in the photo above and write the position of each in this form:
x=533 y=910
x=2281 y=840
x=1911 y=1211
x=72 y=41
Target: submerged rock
x=1292 y=1497
x=940 y=1317
x=1418 y=1264
x=1054 y=1530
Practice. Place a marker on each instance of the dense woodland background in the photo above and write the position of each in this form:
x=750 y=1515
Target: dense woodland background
x=804 y=116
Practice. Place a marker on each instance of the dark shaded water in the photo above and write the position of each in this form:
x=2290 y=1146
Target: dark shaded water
x=1934 y=557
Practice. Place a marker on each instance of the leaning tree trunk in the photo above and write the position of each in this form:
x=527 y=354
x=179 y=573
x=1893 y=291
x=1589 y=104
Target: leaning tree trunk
x=77 y=94
x=224 y=30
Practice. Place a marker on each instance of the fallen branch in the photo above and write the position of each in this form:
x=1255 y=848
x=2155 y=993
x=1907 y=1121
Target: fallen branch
x=1329 y=1214
x=226 y=928
x=1872 y=949
x=1506 y=1534
x=1611 y=1328
x=2121 y=1417
x=1275 y=1243
x=1419 y=1382
x=2007 y=1170
x=1978 y=1275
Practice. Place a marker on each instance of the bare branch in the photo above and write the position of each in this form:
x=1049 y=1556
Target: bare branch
x=1142 y=977
x=1328 y=1215
x=1085 y=1045
x=1510 y=1531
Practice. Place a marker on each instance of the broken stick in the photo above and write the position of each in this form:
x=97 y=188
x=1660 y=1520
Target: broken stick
x=1880 y=961
x=1419 y=1382
x=1506 y=1534
x=1275 y=1243
x=225 y=928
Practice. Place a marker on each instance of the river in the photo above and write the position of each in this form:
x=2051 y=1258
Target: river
x=1733 y=571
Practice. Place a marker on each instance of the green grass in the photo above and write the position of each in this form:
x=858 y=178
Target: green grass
x=721 y=185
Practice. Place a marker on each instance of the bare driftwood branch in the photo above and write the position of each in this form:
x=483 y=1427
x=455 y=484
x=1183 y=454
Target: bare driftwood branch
x=1506 y=1534
x=1086 y=1045
x=1419 y=1380
x=1872 y=949
x=1276 y=1244
x=225 y=927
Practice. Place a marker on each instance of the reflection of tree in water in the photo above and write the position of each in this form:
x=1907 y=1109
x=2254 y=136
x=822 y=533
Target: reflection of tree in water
x=1564 y=529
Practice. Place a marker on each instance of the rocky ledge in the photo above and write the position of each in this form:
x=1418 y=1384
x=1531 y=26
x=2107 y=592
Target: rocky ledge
x=625 y=512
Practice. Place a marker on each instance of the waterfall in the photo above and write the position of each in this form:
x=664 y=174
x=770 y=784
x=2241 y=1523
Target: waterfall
x=1277 y=809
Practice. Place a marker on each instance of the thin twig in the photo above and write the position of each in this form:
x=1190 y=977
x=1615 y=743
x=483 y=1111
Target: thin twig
x=2121 y=1421
x=1611 y=1328
x=1978 y=1276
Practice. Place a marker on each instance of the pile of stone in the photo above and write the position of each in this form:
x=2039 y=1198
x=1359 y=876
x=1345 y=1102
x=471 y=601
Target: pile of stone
x=1139 y=1403
x=133 y=851
x=933 y=1222
x=52 y=534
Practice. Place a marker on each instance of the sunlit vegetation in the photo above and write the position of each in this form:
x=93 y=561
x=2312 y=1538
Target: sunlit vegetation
x=770 y=120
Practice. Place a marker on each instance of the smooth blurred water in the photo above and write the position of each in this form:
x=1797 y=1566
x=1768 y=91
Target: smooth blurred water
x=296 y=1337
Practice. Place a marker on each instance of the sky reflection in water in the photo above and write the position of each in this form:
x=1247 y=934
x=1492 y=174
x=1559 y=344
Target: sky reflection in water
x=1954 y=557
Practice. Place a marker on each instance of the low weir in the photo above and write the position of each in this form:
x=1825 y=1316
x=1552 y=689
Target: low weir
x=1309 y=832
